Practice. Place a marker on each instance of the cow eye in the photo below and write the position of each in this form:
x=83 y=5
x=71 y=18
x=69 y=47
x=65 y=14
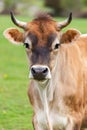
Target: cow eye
x=26 y=45
x=57 y=46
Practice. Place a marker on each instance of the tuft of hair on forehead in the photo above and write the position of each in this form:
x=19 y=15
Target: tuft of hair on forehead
x=42 y=16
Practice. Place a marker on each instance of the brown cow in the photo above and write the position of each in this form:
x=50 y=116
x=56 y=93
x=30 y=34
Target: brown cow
x=58 y=72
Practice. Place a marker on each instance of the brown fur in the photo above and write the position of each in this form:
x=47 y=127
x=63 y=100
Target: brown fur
x=73 y=96
x=69 y=36
x=71 y=89
x=16 y=35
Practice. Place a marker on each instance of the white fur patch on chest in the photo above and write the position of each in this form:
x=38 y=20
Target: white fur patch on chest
x=59 y=121
x=50 y=118
x=53 y=121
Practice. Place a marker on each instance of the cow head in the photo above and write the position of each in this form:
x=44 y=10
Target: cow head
x=42 y=39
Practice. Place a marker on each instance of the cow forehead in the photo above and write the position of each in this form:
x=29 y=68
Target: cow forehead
x=43 y=31
x=43 y=25
x=42 y=20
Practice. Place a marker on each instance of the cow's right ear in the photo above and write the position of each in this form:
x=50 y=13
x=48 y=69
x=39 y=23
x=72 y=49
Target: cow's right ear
x=14 y=35
x=69 y=36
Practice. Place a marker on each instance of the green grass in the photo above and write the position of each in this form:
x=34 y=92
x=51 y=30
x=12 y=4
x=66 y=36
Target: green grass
x=15 y=110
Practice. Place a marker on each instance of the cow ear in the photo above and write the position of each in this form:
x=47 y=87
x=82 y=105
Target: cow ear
x=70 y=36
x=14 y=35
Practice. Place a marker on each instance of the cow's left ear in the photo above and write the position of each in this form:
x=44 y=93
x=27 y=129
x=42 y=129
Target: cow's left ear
x=14 y=35
x=70 y=36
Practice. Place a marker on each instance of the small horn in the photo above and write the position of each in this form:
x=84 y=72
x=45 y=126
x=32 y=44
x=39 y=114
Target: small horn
x=17 y=22
x=66 y=22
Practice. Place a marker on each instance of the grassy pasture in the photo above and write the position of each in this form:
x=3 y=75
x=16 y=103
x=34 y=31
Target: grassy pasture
x=15 y=110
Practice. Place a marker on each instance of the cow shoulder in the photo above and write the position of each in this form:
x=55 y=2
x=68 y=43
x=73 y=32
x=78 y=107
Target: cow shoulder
x=13 y=35
x=70 y=36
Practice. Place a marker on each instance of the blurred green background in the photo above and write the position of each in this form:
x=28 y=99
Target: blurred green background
x=15 y=109
x=54 y=7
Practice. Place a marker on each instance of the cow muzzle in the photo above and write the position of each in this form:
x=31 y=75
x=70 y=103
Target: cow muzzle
x=40 y=72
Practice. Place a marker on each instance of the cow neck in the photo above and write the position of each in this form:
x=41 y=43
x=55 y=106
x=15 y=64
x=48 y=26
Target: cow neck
x=45 y=96
x=45 y=88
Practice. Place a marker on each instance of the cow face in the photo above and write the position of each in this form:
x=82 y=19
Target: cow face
x=42 y=40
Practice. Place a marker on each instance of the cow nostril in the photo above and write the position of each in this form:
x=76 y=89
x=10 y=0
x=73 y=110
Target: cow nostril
x=45 y=70
x=33 y=71
x=39 y=70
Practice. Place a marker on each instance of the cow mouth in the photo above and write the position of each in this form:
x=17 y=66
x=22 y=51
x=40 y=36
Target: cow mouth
x=39 y=78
